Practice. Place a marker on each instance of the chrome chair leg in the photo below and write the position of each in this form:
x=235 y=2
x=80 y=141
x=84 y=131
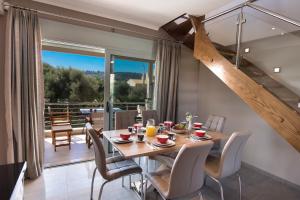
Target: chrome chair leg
x=200 y=195
x=130 y=181
x=240 y=186
x=101 y=189
x=220 y=185
x=92 y=186
x=147 y=164
x=145 y=191
x=142 y=186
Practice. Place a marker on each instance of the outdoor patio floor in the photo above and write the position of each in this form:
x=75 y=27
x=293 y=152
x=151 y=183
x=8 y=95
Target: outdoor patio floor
x=79 y=152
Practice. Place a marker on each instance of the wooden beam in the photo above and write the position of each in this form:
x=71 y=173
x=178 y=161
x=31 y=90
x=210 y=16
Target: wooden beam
x=281 y=117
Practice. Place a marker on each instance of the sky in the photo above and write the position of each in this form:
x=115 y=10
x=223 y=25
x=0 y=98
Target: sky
x=91 y=63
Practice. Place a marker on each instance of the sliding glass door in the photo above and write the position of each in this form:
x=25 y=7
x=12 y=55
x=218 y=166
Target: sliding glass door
x=131 y=84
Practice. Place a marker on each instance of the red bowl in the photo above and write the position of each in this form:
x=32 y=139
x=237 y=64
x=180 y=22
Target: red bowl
x=197 y=125
x=162 y=138
x=200 y=133
x=125 y=136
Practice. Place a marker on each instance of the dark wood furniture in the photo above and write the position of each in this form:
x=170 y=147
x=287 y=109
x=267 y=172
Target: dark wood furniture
x=12 y=181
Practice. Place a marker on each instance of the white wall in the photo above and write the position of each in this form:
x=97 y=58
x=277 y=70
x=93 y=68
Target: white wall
x=188 y=84
x=278 y=51
x=265 y=149
x=115 y=43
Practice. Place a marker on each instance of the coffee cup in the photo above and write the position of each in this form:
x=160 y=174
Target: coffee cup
x=130 y=129
x=140 y=137
x=171 y=135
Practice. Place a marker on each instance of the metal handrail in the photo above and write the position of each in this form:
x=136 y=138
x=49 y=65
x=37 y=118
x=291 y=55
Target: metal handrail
x=256 y=7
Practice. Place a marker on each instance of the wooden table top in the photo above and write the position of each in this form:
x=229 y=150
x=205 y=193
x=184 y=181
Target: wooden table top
x=138 y=149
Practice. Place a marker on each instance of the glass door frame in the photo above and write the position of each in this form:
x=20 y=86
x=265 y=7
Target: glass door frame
x=108 y=105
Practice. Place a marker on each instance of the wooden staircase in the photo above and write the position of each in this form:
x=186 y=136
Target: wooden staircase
x=275 y=103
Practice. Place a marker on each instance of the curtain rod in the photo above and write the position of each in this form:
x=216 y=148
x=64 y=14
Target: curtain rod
x=113 y=29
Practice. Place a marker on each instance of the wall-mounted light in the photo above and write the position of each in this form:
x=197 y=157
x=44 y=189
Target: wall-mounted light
x=273 y=28
x=277 y=69
x=247 y=50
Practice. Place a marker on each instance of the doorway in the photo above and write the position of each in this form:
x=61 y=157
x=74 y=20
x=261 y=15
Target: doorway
x=74 y=88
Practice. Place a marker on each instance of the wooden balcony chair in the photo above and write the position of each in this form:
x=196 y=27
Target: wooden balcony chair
x=97 y=122
x=61 y=123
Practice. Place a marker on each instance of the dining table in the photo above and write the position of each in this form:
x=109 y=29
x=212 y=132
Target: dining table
x=139 y=149
x=136 y=149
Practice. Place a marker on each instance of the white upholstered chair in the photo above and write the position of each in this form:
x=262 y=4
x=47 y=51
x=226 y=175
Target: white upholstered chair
x=150 y=114
x=229 y=163
x=124 y=119
x=110 y=168
x=215 y=123
x=186 y=177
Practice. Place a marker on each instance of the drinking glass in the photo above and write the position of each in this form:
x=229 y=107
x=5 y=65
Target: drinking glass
x=150 y=128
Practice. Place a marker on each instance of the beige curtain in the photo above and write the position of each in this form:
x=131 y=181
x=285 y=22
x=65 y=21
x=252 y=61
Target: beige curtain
x=166 y=83
x=23 y=83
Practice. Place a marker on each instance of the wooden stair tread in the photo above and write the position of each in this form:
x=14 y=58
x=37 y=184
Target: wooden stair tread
x=281 y=115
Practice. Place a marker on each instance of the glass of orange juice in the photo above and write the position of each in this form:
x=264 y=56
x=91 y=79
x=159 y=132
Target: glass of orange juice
x=150 y=128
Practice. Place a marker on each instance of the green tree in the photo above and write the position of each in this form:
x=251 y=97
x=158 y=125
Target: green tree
x=121 y=91
x=138 y=93
x=71 y=85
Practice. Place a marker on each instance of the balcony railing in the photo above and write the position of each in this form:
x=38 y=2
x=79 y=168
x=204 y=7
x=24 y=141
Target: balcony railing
x=78 y=111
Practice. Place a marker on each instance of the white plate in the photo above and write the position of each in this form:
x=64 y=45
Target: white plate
x=119 y=140
x=178 y=131
x=140 y=141
x=169 y=143
x=205 y=137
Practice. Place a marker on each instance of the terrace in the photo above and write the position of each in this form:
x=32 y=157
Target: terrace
x=78 y=113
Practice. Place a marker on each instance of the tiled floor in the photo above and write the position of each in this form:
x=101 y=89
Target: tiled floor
x=79 y=152
x=72 y=182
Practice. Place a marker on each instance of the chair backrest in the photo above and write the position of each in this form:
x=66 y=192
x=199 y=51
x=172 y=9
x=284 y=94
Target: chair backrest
x=97 y=119
x=187 y=174
x=124 y=119
x=100 y=158
x=215 y=123
x=150 y=114
x=231 y=155
x=59 y=117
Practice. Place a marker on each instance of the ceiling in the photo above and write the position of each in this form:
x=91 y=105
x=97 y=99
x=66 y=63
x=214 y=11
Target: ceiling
x=151 y=14
x=155 y=13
